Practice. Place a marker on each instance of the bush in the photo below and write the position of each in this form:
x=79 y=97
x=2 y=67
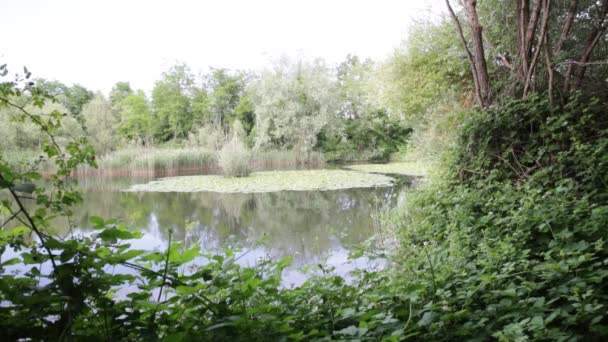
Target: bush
x=511 y=246
x=235 y=158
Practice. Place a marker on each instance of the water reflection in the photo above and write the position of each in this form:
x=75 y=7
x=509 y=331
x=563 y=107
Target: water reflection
x=311 y=227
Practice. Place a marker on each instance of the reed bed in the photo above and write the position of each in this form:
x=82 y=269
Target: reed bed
x=174 y=161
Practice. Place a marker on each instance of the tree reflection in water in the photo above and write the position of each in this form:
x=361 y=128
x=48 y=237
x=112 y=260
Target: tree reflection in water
x=311 y=227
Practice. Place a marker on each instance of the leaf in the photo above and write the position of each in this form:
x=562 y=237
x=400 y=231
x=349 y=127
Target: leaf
x=115 y=234
x=186 y=256
x=228 y=262
x=12 y=261
x=97 y=221
x=67 y=255
x=427 y=318
x=352 y=331
x=4 y=184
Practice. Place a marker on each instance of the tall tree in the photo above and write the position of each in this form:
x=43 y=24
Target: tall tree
x=137 y=120
x=101 y=124
x=293 y=102
x=171 y=102
x=477 y=58
x=548 y=45
x=225 y=90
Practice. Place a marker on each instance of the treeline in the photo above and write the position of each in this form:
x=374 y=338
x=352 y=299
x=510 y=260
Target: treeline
x=357 y=110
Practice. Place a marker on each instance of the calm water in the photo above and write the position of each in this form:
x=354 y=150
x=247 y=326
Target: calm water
x=311 y=227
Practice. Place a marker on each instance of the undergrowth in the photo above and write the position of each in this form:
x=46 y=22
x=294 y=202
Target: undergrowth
x=513 y=239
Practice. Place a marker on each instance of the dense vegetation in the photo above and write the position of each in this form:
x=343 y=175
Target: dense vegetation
x=304 y=107
x=505 y=242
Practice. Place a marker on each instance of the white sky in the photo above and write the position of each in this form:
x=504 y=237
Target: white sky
x=99 y=42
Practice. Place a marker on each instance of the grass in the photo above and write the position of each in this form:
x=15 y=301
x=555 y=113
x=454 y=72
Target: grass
x=401 y=168
x=269 y=181
x=157 y=158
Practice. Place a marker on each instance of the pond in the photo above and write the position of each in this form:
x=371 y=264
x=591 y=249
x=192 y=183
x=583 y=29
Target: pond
x=311 y=227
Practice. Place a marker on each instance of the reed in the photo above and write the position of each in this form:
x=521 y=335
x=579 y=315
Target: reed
x=171 y=161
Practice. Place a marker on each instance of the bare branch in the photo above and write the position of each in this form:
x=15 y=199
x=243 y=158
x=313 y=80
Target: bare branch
x=541 y=41
x=466 y=49
x=567 y=25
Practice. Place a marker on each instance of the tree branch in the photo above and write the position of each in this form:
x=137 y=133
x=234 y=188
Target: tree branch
x=467 y=51
x=567 y=25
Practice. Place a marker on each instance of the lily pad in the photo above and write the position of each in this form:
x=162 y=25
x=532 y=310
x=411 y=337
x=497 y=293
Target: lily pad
x=268 y=181
x=401 y=168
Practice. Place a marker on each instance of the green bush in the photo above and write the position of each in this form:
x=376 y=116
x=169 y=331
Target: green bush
x=235 y=158
x=374 y=137
x=512 y=245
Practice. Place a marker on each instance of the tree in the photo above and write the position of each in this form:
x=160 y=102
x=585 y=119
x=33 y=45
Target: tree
x=353 y=78
x=225 y=90
x=101 y=124
x=477 y=58
x=73 y=98
x=293 y=102
x=426 y=69
x=245 y=113
x=543 y=44
x=137 y=119
x=118 y=93
x=171 y=100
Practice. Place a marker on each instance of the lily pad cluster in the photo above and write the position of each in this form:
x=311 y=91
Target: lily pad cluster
x=269 y=181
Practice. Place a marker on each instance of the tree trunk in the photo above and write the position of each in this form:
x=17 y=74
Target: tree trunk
x=567 y=25
x=483 y=80
x=467 y=51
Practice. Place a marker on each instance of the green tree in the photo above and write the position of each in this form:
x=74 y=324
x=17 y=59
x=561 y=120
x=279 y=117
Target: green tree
x=101 y=124
x=171 y=100
x=137 y=119
x=118 y=93
x=201 y=107
x=225 y=90
x=293 y=102
x=245 y=113
x=424 y=70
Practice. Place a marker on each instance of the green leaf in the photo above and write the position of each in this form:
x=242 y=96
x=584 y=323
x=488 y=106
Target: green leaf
x=97 y=221
x=115 y=234
x=427 y=318
x=12 y=261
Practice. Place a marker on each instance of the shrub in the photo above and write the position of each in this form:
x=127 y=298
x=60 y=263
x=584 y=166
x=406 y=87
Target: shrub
x=511 y=246
x=234 y=158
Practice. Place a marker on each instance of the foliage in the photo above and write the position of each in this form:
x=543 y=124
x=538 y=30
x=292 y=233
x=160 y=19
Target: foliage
x=137 y=121
x=424 y=70
x=235 y=158
x=171 y=101
x=371 y=137
x=140 y=158
x=100 y=123
x=513 y=241
x=293 y=102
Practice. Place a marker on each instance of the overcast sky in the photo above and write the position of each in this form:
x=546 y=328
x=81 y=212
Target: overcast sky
x=99 y=42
